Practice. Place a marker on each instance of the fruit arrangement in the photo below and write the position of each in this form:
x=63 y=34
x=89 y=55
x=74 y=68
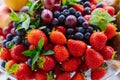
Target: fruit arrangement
x=58 y=40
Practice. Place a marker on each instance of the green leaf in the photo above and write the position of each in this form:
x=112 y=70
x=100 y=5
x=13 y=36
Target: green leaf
x=96 y=12
x=48 y=52
x=94 y=20
x=108 y=17
x=14 y=16
x=40 y=44
x=30 y=53
x=13 y=69
x=42 y=27
x=64 y=2
x=103 y=24
x=35 y=58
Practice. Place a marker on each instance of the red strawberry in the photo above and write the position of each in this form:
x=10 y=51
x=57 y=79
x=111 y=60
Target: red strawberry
x=46 y=63
x=93 y=58
x=35 y=35
x=93 y=6
x=97 y=74
x=57 y=37
x=107 y=52
x=40 y=76
x=49 y=46
x=83 y=67
x=71 y=65
x=93 y=1
x=5 y=54
x=110 y=31
x=61 y=53
x=61 y=29
x=58 y=69
x=98 y=40
x=63 y=76
x=24 y=72
x=31 y=47
x=87 y=17
x=16 y=53
x=78 y=76
x=110 y=10
x=78 y=7
x=77 y=48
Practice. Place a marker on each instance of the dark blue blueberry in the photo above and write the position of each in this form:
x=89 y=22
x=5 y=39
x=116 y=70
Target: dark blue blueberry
x=100 y=5
x=85 y=25
x=81 y=29
x=70 y=36
x=81 y=20
x=9 y=37
x=29 y=62
x=66 y=12
x=8 y=44
x=3 y=64
x=26 y=43
x=55 y=21
x=87 y=10
x=79 y=36
x=61 y=18
x=46 y=30
x=21 y=32
x=81 y=2
x=56 y=14
x=90 y=29
x=72 y=10
x=64 y=7
x=87 y=35
x=70 y=31
x=17 y=39
x=87 y=4
x=78 y=13
x=4 y=43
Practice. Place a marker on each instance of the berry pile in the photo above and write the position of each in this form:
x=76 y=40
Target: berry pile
x=58 y=40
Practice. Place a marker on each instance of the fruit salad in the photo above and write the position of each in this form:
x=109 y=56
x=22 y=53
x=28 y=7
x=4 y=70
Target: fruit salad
x=58 y=40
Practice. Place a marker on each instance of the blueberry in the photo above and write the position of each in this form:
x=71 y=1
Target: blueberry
x=70 y=36
x=8 y=44
x=87 y=10
x=61 y=18
x=17 y=39
x=72 y=10
x=66 y=12
x=70 y=31
x=55 y=21
x=4 y=43
x=3 y=64
x=29 y=62
x=78 y=13
x=26 y=43
x=46 y=30
x=81 y=20
x=21 y=32
x=9 y=37
x=56 y=14
x=100 y=5
x=85 y=25
x=79 y=36
x=90 y=29
x=87 y=4
x=87 y=35
x=64 y=7
x=81 y=29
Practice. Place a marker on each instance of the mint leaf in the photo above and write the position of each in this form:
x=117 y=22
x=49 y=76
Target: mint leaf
x=48 y=52
x=35 y=58
x=103 y=24
x=30 y=53
x=96 y=12
x=108 y=17
x=40 y=44
x=13 y=69
x=64 y=2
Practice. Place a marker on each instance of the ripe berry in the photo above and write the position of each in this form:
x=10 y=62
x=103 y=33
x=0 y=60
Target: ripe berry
x=61 y=18
x=79 y=36
x=64 y=7
x=100 y=5
x=81 y=20
x=72 y=10
x=66 y=12
x=55 y=21
x=56 y=14
x=87 y=10
x=70 y=31
x=87 y=4
x=81 y=29
x=78 y=13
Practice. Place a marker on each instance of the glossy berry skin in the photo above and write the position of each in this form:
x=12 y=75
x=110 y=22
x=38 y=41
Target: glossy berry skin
x=16 y=53
x=61 y=29
x=71 y=65
x=9 y=37
x=97 y=74
x=78 y=13
x=87 y=10
x=110 y=10
x=64 y=7
x=40 y=76
x=24 y=72
x=61 y=18
x=98 y=40
x=5 y=54
x=78 y=7
x=55 y=21
x=100 y=5
x=35 y=35
x=49 y=4
x=80 y=20
x=57 y=37
x=78 y=49
x=80 y=29
x=93 y=58
x=63 y=76
x=87 y=4
x=72 y=10
x=78 y=76
x=61 y=53
x=79 y=36
x=56 y=14
x=107 y=52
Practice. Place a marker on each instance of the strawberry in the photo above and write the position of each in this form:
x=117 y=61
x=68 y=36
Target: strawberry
x=46 y=63
x=76 y=47
x=110 y=10
x=78 y=7
x=61 y=29
x=93 y=6
x=98 y=40
x=5 y=54
x=61 y=53
x=57 y=37
x=16 y=53
x=107 y=52
x=78 y=76
x=93 y=58
x=24 y=72
x=49 y=46
x=71 y=65
x=31 y=47
x=110 y=31
x=40 y=76
x=63 y=76
x=93 y=1
x=58 y=69
x=97 y=74
x=35 y=35
x=87 y=17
